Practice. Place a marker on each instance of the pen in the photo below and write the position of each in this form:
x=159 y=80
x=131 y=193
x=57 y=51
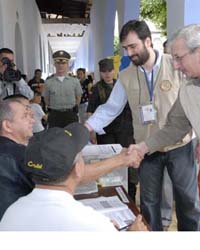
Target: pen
x=113 y=149
x=125 y=227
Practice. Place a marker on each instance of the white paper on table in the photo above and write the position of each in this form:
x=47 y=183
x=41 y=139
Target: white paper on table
x=87 y=188
x=113 y=208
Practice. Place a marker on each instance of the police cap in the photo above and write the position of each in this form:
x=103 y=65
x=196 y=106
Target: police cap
x=106 y=65
x=61 y=56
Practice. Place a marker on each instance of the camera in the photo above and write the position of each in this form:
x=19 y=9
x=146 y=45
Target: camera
x=10 y=74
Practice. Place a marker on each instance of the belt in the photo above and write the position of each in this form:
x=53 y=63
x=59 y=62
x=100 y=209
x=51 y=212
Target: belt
x=60 y=110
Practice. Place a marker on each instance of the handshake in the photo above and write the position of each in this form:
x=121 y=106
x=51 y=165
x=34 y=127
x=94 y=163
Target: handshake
x=132 y=156
x=135 y=154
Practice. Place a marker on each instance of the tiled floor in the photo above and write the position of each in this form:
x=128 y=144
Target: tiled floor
x=173 y=226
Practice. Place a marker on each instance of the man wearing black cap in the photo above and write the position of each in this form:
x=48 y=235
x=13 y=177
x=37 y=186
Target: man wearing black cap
x=62 y=93
x=120 y=130
x=54 y=162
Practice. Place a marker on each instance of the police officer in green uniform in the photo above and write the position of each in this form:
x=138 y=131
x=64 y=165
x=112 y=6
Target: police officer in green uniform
x=62 y=93
x=120 y=130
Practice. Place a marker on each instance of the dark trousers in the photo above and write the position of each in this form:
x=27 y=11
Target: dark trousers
x=183 y=173
x=61 y=119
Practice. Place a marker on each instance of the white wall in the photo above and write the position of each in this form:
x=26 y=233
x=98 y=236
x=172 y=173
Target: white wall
x=1 y=27
x=175 y=15
x=181 y=13
x=83 y=52
x=98 y=41
x=23 y=15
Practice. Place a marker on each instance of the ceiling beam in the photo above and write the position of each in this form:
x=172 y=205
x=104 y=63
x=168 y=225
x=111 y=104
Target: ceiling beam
x=66 y=20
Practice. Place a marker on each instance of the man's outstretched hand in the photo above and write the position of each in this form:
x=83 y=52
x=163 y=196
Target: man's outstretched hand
x=141 y=149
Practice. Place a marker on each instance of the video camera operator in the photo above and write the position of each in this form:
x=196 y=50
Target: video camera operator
x=11 y=81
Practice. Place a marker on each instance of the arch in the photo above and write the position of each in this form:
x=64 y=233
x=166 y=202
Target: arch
x=19 y=48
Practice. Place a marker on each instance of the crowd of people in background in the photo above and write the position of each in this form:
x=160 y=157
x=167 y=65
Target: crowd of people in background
x=45 y=124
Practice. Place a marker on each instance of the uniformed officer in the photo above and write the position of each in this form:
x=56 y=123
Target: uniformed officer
x=62 y=93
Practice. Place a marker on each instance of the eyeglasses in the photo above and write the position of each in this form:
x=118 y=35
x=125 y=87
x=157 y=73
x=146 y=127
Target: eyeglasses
x=179 y=59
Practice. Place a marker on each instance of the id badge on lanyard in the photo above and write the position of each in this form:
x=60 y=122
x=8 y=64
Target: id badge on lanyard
x=148 y=114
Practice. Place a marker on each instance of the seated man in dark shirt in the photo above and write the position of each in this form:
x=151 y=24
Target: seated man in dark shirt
x=16 y=123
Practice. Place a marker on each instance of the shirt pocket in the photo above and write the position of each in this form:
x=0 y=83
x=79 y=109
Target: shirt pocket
x=52 y=93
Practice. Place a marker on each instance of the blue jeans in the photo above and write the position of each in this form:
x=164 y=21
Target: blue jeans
x=182 y=171
x=167 y=199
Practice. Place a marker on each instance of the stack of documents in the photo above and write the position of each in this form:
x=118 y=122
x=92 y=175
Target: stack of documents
x=113 y=208
x=98 y=152
x=93 y=153
x=88 y=188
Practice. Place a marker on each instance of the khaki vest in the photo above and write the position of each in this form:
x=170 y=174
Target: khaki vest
x=167 y=82
x=189 y=98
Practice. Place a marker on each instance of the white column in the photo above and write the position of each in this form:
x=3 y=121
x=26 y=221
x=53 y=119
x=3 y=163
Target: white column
x=181 y=13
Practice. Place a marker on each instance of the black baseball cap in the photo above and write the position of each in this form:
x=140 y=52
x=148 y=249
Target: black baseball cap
x=61 y=56
x=50 y=154
x=106 y=65
x=15 y=96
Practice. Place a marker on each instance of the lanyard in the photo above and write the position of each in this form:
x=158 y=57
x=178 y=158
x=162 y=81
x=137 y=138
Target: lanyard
x=149 y=83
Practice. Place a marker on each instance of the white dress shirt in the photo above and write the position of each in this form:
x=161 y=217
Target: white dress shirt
x=107 y=112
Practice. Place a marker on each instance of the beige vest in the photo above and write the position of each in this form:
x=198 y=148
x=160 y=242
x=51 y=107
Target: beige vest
x=190 y=101
x=167 y=82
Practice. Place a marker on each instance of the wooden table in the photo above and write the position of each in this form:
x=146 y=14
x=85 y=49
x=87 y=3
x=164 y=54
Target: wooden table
x=111 y=191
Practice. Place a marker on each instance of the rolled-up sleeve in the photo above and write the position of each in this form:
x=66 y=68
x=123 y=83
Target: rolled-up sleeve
x=107 y=112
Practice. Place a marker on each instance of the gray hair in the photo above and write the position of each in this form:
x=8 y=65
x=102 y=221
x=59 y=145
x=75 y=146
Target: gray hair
x=6 y=111
x=190 y=34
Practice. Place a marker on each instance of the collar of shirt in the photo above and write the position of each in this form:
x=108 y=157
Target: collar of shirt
x=155 y=67
x=66 y=76
x=60 y=78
